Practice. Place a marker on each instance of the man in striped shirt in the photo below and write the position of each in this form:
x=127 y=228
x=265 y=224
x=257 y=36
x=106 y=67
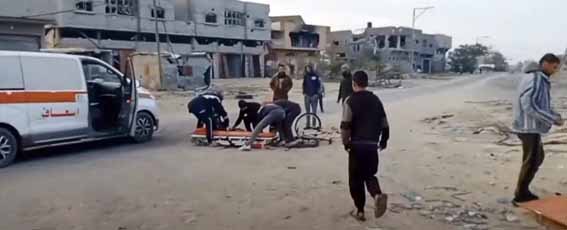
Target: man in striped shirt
x=534 y=116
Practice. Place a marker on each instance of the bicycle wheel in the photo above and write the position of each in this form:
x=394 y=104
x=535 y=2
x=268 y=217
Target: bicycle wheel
x=306 y=124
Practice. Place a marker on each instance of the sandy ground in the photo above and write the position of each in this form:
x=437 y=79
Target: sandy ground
x=439 y=174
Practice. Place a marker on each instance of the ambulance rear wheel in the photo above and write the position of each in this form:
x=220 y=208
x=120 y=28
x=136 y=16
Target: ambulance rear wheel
x=9 y=147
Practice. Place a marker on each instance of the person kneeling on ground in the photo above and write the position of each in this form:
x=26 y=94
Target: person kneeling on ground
x=248 y=114
x=364 y=131
x=270 y=114
x=209 y=111
x=292 y=111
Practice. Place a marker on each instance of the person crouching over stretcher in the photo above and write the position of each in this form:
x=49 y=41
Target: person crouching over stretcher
x=292 y=111
x=248 y=114
x=209 y=111
x=269 y=114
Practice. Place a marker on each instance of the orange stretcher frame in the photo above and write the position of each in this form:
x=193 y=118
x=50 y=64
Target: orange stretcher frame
x=232 y=138
x=550 y=212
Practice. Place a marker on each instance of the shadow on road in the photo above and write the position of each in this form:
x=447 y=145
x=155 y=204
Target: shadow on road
x=85 y=151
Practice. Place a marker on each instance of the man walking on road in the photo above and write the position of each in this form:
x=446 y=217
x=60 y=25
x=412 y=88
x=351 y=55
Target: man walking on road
x=534 y=116
x=364 y=131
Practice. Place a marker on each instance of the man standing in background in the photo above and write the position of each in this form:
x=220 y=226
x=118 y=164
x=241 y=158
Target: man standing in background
x=345 y=89
x=534 y=116
x=281 y=84
x=311 y=91
x=364 y=131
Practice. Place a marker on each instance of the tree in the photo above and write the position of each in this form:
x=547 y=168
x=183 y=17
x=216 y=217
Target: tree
x=465 y=58
x=499 y=61
x=530 y=65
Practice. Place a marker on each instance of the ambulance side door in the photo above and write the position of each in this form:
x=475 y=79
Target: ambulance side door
x=57 y=98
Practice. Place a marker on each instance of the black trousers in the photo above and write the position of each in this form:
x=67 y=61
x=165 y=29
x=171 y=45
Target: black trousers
x=250 y=124
x=362 y=168
x=532 y=159
x=210 y=125
x=288 y=123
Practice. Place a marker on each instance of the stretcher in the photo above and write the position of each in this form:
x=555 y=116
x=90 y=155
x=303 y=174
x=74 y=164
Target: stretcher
x=550 y=212
x=232 y=138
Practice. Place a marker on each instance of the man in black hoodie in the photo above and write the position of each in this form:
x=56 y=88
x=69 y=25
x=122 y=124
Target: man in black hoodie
x=248 y=114
x=345 y=89
x=364 y=131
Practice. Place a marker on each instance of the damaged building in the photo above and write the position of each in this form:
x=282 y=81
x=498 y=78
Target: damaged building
x=295 y=44
x=397 y=46
x=21 y=33
x=233 y=32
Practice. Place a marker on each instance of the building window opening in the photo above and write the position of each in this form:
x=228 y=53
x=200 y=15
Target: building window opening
x=424 y=43
x=403 y=42
x=84 y=5
x=304 y=40
x=121 y=7
x=211 y=18
x=381 y=42
x=393 y=42
x=158 y=12
x=233 y=18
x=259 y=23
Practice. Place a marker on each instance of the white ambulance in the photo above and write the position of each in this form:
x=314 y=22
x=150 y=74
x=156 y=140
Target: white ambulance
x=55 y=99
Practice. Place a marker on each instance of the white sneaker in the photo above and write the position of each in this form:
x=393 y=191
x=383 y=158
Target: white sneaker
x=245 y=148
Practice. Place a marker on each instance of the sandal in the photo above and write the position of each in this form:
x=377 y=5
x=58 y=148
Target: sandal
x=359 y=216
x=381 y=205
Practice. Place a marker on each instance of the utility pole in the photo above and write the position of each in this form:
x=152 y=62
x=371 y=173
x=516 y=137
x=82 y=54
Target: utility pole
x=242 y=57
x=138 y=24
x=158 y=46
x=417 y=12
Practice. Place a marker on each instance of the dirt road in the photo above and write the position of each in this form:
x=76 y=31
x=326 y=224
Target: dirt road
x=439 y=174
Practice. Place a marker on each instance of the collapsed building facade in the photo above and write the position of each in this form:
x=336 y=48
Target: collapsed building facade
x=397 y=46
x=233 y=32
x=295 y=44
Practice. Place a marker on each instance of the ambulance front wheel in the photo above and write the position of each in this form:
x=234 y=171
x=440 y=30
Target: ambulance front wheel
x=144 y=127
x=9 y=147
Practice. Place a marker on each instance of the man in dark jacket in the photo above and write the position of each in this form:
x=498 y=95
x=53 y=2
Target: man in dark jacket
x=248 y=114
x=364 y=131
x=281 y=84
x=534 y=116
x=292 y=111
x=311 y=91
x=209 y=111
x=345 y=89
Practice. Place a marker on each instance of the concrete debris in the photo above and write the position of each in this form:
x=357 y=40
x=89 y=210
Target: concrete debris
x=336 y=182
x=448 y=188
x=503 y=201
x=412 y=196
x=244 y=96
x=430 y=120
x=510 y=217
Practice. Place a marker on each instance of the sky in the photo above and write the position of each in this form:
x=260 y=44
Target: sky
x=520 y=29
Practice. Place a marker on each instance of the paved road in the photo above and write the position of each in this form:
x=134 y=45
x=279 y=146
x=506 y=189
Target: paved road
x=112 y=183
